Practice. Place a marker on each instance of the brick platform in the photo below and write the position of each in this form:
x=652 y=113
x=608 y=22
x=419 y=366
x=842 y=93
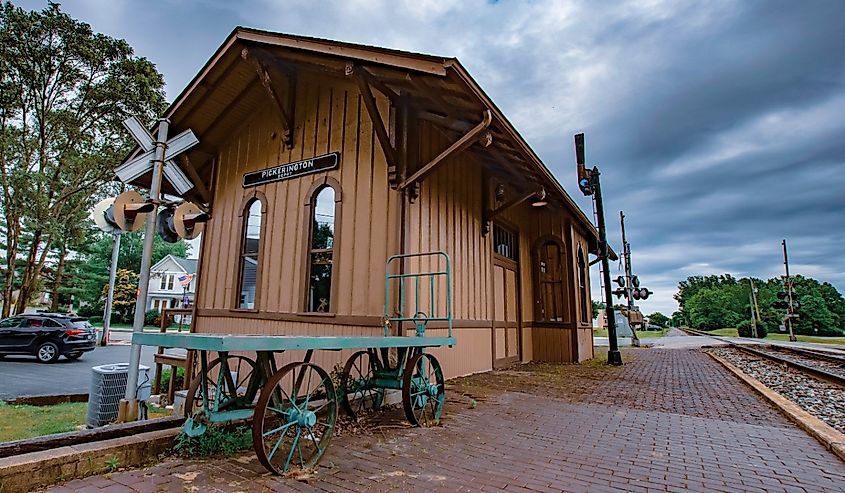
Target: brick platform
x=669 y=420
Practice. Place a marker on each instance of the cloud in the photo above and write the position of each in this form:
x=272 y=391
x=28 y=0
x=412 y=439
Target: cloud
x=717 y=125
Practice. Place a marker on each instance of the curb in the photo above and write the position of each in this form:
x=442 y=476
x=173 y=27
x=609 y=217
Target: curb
x=27 y=472
x=832 y=439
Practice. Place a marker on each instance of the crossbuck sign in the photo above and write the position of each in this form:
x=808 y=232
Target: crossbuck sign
x=143 y=163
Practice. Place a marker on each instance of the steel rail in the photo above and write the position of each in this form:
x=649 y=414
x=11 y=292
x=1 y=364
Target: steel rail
x=818 y=373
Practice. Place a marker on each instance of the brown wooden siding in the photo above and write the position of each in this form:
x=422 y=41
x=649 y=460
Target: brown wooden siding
x=330 y=117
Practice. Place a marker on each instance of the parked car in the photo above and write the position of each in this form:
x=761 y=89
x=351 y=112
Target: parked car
x=47 y=336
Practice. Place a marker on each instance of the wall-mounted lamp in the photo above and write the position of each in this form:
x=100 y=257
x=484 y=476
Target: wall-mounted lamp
x=537 y=198
x=540 y=199
x=500 y=192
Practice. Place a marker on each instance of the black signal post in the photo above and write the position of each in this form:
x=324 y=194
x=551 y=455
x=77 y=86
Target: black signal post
x=589 y=183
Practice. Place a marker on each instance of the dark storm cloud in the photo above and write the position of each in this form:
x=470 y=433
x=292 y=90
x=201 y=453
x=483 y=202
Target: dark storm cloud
x=718 y=125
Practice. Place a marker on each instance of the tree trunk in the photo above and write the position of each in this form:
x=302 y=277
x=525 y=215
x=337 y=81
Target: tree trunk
x=57 y=282
x=12 y=235
x=29 y=274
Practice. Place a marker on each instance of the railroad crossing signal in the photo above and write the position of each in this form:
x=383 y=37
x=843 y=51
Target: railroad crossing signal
x=637 y=293
x=143 y=163
x=783 y=301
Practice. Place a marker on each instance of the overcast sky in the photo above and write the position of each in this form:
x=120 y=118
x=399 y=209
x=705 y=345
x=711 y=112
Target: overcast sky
x=719 y=126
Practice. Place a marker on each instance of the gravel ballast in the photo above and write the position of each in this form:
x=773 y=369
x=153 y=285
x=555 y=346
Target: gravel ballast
x=821 y=399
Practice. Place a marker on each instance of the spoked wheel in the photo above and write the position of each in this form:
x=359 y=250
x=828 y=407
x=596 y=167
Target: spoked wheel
x=294 y=418
x=423 y=390
x=231 y=385
x=357 y=390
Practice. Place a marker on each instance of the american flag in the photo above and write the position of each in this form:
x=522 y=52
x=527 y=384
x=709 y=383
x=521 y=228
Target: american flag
x=186 y=279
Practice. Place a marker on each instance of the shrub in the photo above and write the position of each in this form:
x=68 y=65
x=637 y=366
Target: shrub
x=95 y=320
x=180 y=377
x=150 y=317
x=216 y=441
x=745 y=330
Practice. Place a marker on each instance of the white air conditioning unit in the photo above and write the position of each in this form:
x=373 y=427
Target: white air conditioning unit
x=108 y=387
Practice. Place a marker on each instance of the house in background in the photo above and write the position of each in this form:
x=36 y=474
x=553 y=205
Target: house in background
x=172 y=283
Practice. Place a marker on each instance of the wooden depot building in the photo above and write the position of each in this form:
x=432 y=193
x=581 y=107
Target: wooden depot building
x=320 y=159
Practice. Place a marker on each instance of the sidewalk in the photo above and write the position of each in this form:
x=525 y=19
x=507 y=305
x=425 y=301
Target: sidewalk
x=668 y=420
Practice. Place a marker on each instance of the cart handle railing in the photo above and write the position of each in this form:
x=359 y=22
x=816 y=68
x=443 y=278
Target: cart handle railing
x=432 y=276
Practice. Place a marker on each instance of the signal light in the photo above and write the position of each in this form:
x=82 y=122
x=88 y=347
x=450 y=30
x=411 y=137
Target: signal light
x=620 y=281
x=585 y=182
x=635 y=281
x=620 y=293
x=184 y=222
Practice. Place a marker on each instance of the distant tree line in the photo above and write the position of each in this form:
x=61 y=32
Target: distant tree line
x=715 y=302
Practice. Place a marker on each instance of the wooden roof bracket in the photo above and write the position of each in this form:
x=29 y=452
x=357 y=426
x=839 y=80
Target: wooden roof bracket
x=195 y=177
x=364 y=80
x=286 y=112
x=478 y=133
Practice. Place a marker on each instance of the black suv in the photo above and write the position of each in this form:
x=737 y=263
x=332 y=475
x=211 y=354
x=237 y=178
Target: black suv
x=46 y=336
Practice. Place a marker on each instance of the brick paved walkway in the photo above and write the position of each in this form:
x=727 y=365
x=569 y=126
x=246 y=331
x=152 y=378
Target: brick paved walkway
x=669 y=420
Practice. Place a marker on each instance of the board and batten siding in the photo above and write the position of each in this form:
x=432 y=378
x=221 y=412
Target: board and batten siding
x=331 y=117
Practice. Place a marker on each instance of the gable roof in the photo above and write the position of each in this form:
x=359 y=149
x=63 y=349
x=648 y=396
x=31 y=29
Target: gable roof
x=188 y=265
x=440 y=86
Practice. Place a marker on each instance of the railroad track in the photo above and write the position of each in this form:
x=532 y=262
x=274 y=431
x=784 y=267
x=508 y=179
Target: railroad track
x=819 y=364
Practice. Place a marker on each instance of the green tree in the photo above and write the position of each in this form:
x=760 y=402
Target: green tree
x=598 y=306
x=660 y=319
x=707 y=310
x=125 y=295
x=90 y=272
x=678 y=319
x=64 y=91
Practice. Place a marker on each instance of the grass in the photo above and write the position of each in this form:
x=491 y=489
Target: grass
x=20 y=422
x=778 y=336
x=642 y=334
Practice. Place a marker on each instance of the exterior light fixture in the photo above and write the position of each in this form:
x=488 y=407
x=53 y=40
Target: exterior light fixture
x=540 y=199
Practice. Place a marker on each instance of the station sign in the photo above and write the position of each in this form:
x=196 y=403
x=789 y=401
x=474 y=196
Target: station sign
x=292 y=170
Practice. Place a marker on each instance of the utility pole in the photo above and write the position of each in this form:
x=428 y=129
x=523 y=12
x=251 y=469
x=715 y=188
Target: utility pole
x=755 y=307
x=128 y=410
x=115 y=252
x=629 y=286
x=589 y=183
x=787 y=283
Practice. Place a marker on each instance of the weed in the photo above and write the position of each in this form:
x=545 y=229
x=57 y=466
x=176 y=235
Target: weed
x=112 y=463
x=216 y=441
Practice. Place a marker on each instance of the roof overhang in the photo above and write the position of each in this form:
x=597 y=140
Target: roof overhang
x=226 y=90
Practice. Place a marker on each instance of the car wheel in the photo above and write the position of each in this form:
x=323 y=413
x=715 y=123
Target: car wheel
x=73 y=356
x=47 y=352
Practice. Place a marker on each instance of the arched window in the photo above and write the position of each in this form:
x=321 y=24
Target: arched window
x=250 y=247
x=551 y=300
x=321 y=250
x=586 y=312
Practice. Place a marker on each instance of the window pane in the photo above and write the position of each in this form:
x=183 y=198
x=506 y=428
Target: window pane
x=249 y=270
x=252 y=230
x=320 y=285
x=322 y=236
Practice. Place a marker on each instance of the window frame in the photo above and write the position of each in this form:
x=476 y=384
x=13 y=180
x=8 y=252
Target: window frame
x=308 y=216
x=582 y=280
x=243 y=214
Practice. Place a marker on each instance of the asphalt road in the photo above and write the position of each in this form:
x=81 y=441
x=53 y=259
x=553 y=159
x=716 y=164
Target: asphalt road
x=23 y=375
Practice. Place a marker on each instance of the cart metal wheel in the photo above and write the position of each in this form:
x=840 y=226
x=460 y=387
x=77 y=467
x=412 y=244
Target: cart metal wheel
x=294 y=418
x=357 y=390
x=423 y=390
x=238 y=391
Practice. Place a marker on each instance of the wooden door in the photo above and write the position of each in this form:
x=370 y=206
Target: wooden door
x=506 y=319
